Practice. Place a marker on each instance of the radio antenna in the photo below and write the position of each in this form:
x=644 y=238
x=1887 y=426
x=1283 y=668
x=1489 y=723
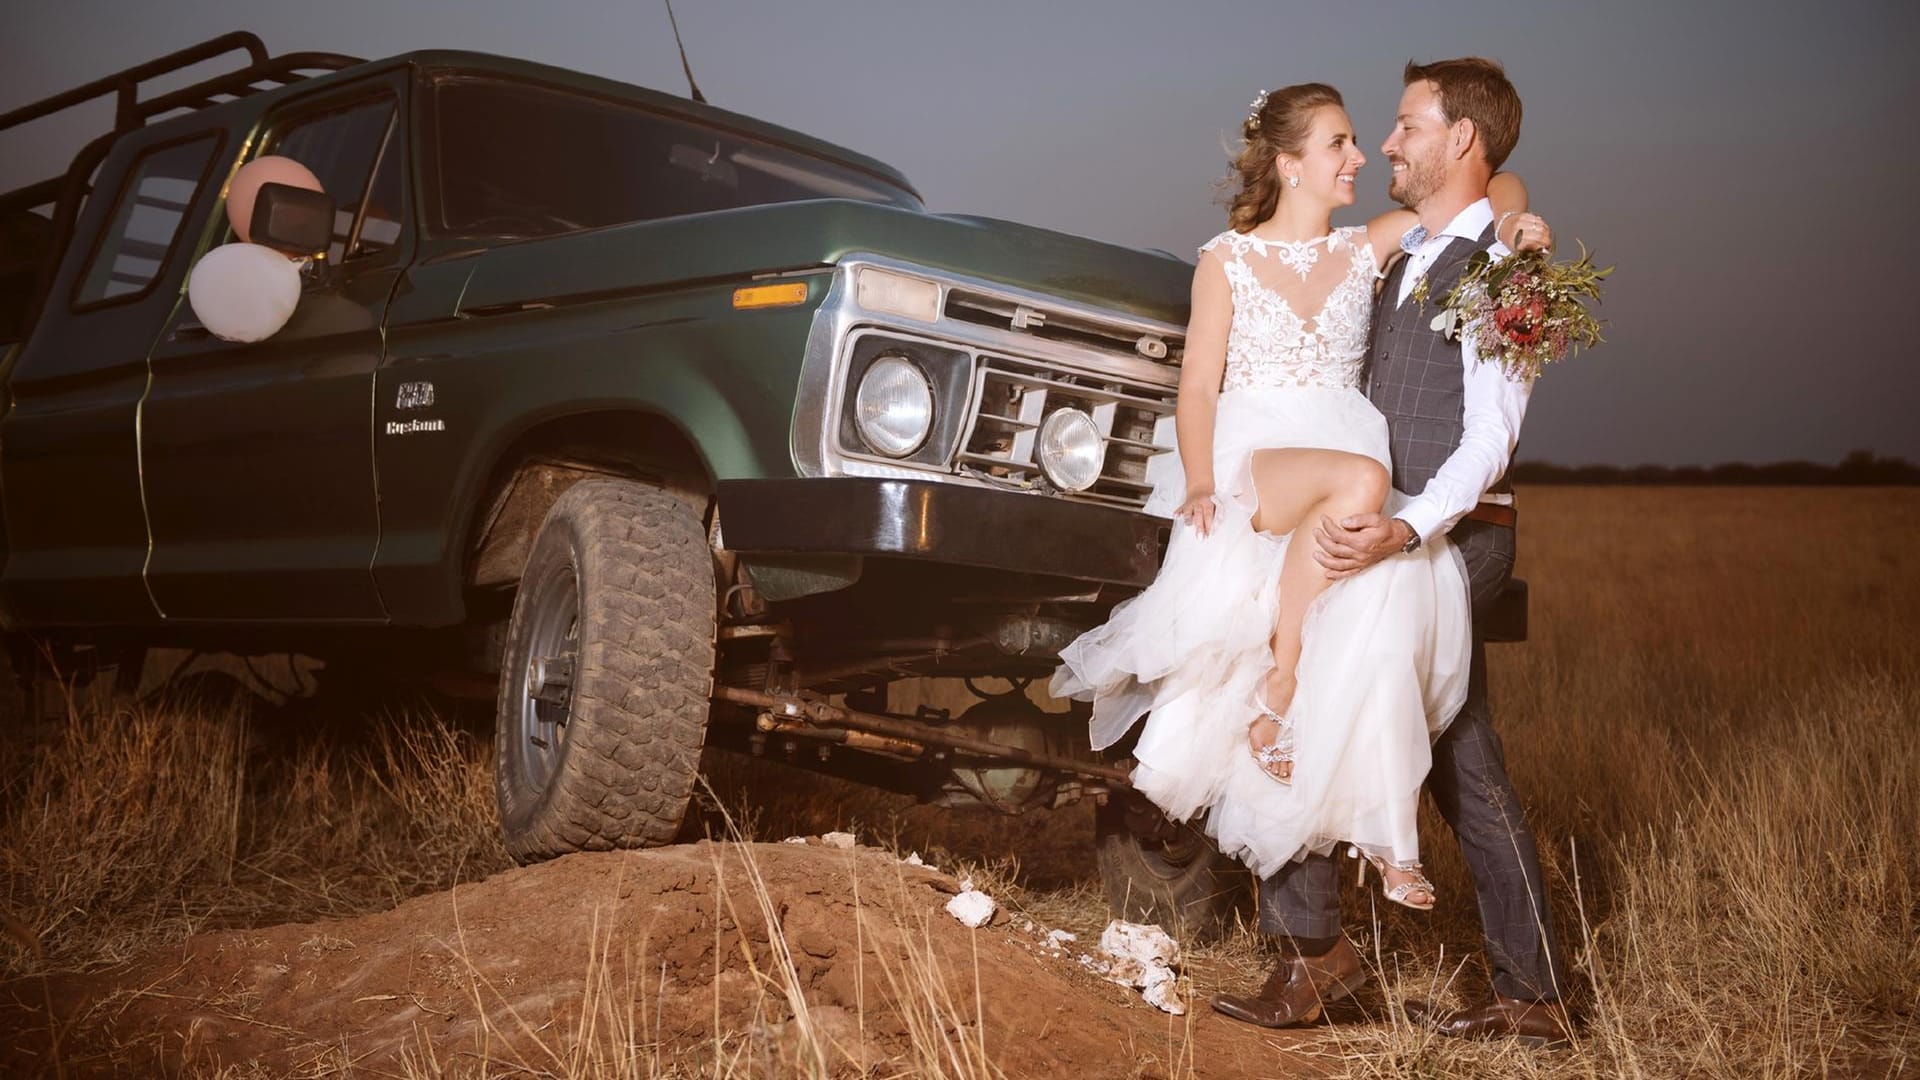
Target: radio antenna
x=684 y=66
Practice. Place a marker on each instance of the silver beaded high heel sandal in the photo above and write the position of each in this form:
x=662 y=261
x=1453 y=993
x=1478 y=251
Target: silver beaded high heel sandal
x=1416 y=883
x=1278 y=753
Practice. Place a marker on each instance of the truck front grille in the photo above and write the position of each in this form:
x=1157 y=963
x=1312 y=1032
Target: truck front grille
x=1012 y=396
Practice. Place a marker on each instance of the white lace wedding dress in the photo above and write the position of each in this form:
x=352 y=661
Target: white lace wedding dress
x=1385 y=653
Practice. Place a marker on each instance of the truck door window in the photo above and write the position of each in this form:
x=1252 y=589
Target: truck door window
x=515 y=159
x=380 y=220
x=146 y=221
x=344 y=148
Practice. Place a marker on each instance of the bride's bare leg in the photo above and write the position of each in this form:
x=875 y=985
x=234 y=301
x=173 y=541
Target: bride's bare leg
x=1297 y=487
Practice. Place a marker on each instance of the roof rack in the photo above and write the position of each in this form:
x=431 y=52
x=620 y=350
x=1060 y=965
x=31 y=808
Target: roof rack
x=131 y=113
x=262 y=71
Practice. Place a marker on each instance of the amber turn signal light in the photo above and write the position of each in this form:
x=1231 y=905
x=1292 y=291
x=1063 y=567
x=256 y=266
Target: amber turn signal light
x=759 y=296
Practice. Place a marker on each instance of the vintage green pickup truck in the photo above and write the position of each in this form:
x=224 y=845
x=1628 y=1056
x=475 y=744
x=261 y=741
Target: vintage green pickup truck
x=667 y=426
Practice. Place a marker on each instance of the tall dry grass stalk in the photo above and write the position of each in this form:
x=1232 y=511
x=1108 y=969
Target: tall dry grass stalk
x=946 y=1036
x=115 y=825
x=130 y=825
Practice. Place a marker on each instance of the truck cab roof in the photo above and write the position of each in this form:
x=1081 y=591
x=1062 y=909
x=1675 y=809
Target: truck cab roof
x=462 y=61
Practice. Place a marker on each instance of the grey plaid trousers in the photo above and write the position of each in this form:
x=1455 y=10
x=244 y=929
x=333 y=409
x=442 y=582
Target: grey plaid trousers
x=1415 y=380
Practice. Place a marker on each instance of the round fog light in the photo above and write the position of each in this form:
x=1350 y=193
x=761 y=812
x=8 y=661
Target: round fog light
x=893 y=409
x=1072 y=450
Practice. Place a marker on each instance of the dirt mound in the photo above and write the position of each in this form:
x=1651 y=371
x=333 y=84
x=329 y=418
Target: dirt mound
x=720 y=959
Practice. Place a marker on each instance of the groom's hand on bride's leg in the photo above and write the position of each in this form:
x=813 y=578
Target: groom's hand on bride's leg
x=1352 y=544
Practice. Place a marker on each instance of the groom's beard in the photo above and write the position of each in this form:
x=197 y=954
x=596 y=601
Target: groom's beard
x=1420 y=181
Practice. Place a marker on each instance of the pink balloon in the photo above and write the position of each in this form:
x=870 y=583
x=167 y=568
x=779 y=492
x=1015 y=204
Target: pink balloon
x=245 y=187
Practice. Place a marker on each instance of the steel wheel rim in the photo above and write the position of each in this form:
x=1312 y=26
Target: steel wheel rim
x=546 y=677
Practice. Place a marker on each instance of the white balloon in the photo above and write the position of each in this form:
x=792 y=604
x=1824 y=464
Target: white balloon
x=244 y=292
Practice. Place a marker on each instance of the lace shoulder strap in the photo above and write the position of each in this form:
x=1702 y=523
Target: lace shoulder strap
x=1228 y=240
x=1360 y=241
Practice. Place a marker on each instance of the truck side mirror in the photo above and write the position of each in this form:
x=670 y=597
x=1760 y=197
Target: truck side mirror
x=292 y=220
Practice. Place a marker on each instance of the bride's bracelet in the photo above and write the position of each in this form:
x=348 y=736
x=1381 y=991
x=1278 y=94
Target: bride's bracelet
x=1502 y=223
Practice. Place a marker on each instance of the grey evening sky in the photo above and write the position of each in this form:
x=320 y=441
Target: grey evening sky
x=1749 y=166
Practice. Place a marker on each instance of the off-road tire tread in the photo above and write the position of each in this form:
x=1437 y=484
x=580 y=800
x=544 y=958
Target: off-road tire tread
x=643 y=677
x=1203 y=901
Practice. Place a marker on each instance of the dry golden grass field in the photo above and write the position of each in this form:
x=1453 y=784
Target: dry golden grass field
x=1715 y=725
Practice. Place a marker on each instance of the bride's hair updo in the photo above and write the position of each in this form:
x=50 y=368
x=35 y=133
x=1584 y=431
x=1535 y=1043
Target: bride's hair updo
x=1279 y=124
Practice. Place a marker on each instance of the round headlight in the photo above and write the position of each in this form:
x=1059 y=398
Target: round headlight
x=893 y=409
x=1072 y=450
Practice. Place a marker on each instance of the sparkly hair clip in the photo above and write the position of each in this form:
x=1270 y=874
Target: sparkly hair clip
x=1258 y=103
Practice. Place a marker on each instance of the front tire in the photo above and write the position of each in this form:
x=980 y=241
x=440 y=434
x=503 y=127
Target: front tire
x=606 y=675
x=1165 y=874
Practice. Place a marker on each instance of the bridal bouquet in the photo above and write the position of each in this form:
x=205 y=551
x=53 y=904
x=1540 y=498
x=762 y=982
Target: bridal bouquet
x=1525 y=311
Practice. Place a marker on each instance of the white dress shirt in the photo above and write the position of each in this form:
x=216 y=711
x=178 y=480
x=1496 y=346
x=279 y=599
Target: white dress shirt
x=1494 y=403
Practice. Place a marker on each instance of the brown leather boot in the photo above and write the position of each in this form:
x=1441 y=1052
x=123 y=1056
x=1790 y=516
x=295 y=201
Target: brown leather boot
x=1543 y=1025
x=1298 y=988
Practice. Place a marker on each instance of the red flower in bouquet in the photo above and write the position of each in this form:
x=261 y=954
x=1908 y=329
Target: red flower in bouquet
x=1522 y=324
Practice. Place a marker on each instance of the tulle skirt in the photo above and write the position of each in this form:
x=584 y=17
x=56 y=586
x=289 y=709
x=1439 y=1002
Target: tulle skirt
x=1383 y=667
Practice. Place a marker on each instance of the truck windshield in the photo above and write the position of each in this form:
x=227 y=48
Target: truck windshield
x=524 y=160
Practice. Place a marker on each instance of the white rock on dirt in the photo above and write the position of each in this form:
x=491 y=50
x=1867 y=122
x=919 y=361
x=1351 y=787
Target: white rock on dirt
x=841 y=840
x=971 y=906
x=1144 y=957
x=1163 y=991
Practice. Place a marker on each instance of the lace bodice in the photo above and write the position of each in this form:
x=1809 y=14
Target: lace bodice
x=1269 y=343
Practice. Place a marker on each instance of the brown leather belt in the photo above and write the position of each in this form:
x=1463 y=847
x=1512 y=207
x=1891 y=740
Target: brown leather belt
x=1494 y=514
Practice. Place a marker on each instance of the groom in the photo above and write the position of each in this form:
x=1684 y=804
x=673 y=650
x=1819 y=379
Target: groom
x=1453 y=423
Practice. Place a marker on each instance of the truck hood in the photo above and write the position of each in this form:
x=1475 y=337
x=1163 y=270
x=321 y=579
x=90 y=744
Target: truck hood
x=788 y=236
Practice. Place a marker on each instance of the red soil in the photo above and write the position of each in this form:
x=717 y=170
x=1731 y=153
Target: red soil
x=626 y=962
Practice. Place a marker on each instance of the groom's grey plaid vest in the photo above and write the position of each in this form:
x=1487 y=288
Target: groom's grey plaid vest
x=1414 y=375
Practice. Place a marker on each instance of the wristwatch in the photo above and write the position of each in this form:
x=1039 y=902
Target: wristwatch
x=1413 y=538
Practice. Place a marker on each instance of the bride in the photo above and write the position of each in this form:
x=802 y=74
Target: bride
x=1297 y=713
